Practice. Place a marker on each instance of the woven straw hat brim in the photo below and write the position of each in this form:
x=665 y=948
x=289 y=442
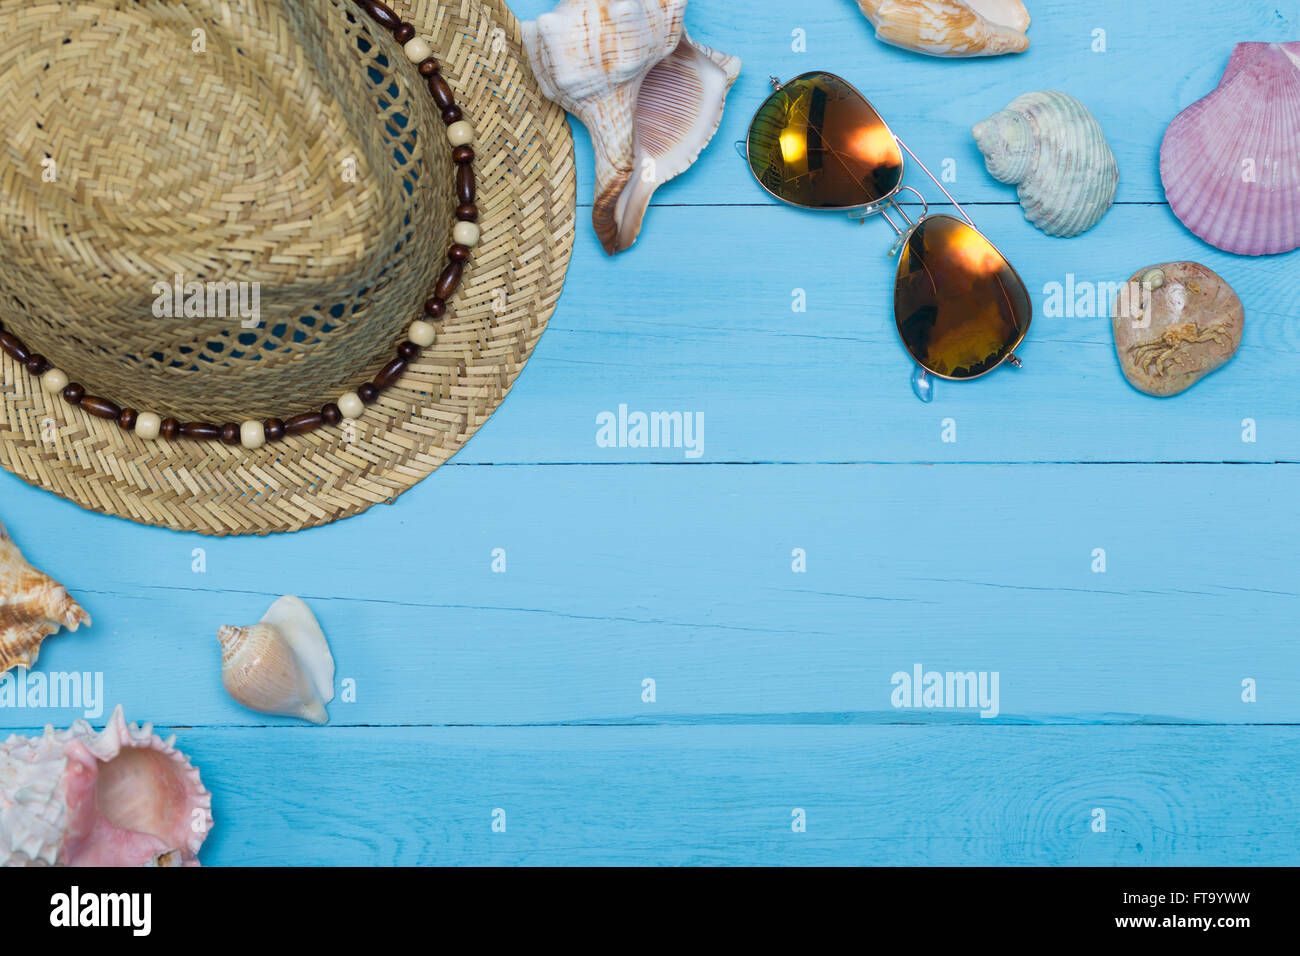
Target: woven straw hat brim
x=526 y=200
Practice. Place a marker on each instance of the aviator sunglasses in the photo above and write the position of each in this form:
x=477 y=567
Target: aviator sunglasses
x=961 y=309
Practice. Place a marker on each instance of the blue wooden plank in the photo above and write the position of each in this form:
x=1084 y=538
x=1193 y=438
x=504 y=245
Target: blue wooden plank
x=684 y=575
x=893 y=796
x=1152 y=68
x=720 y=338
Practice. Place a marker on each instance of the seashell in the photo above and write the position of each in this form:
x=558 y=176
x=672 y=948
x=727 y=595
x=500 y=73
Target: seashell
x=32 y=607
x=1230 y=162
x=950 y=27
x=119 y=797
x=649 y=95
x=281 y=665
x=1049 y=144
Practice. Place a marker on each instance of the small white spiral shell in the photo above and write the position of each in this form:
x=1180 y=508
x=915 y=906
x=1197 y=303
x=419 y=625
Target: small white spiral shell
x=1052 y=147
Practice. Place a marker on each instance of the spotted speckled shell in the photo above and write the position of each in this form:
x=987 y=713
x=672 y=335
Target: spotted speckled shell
x=32 y=607
x=950 y=27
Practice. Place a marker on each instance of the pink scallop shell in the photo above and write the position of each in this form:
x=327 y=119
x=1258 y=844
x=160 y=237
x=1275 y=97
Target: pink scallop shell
x=1250 y=121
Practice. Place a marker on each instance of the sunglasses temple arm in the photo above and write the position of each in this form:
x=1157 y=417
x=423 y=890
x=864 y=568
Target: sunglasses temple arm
x=926 y=170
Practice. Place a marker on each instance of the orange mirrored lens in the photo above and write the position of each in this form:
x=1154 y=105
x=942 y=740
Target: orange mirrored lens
x=817 y=142
x=959 y=306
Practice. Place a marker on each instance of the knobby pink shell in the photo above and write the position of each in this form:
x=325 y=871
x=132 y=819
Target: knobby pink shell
x=1230 y=162
x=32 y=607
x=119 y=797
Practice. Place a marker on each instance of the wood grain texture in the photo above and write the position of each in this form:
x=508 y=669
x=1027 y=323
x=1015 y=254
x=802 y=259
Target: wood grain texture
x=894 y=796
x=522 y=690
x=684 y=574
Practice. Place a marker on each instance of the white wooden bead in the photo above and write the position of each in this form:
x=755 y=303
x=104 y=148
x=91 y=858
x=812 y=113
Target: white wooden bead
x=54 y=380
x=350 y=405
x=460 y=133
x=418 y=49
x=422 y=333
x=148 y=425
x=252 y=435
x=466 y=233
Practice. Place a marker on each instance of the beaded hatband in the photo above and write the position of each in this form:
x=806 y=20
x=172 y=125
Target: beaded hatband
x=421 y=334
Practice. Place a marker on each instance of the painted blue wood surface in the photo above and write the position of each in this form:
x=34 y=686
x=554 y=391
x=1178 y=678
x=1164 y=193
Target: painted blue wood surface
x=522 y=690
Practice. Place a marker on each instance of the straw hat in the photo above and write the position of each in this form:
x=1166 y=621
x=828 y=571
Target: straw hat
x=292 y=152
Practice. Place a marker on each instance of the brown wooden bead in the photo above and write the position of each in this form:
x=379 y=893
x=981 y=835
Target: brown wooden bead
x=99 y=407
x=368 y=392
x=390 y=373
x=201 y=431
x=404 y=33
x=458 y=253
x=230 y=434
x=14 y=348
x=301 y=424
x=462 y=155
x=452 y=114
x=73 y=394
x=37 y=365
x=467 y=212
x=465 y=184
x=171 y=428
x=382 y=14
x=128 y=418
x=449 y=279
x=441 y=92
x=409 y=351
x=435 y=308
x=273 y=428
x=331 y=414
x=428 y=67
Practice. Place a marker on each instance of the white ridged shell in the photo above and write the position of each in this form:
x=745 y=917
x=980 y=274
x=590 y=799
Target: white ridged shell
x=1050 y=145
x=650 y=97
x=1230 y=162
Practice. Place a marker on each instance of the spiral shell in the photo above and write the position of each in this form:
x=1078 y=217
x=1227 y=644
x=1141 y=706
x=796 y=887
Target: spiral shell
x=950 y=27
x=32 y=607
x=1052 y=147
x=281 y=665
x=1230 y=162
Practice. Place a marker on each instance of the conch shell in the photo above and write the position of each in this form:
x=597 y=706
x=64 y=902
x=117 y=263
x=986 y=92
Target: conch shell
x=1053 y=147
x=649 y=95
x=120 y=797
x=281 y=665
x=32 y=607
x=1230 y=162
x=950 y=27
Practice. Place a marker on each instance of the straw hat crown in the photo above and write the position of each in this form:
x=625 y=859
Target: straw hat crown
x=289 y=149
x=215 y=210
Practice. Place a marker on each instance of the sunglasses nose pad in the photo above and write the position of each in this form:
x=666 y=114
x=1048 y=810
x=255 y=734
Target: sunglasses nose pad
x=742 y=148
x=923 y=384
